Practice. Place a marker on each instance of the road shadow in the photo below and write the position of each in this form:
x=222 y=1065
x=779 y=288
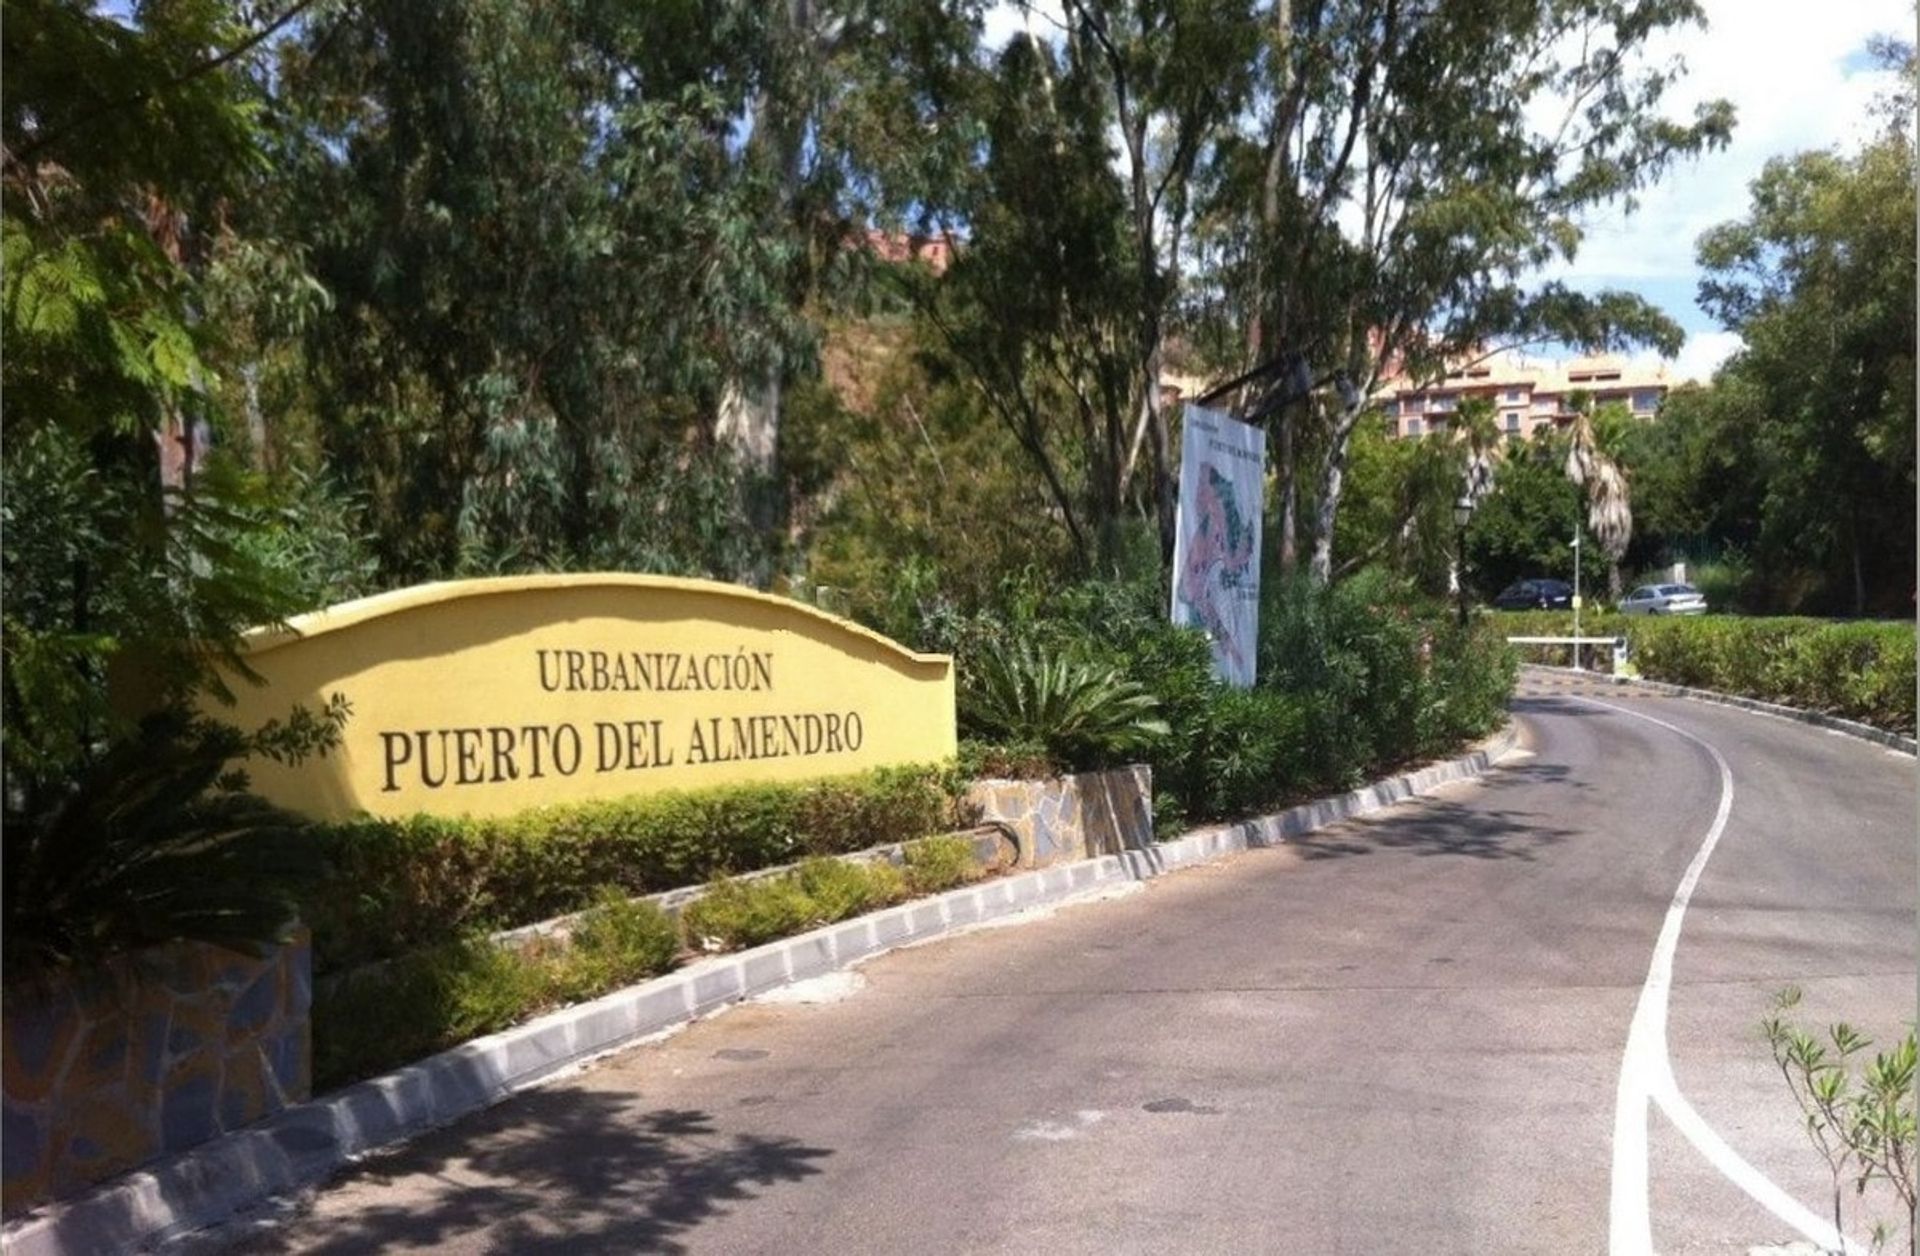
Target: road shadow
x=561 y=1170
x=1484 y=830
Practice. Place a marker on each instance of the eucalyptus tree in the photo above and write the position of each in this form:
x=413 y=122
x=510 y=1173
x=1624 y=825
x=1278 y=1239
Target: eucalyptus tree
x=1076 y=211
x=544 y=254
x=1174 y=74
x=1040 y=311
x=852 y=122
x=1409 y=170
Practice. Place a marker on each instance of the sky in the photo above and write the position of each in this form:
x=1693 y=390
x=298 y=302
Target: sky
x=1799 y=78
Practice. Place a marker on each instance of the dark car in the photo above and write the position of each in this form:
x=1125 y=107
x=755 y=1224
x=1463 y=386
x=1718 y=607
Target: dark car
x=1535 y=595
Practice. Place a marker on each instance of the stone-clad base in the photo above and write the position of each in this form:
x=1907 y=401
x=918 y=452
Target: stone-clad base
x=1072 y=817
x=155 y=1054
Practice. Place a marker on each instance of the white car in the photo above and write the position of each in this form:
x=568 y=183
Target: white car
x=1664 y=599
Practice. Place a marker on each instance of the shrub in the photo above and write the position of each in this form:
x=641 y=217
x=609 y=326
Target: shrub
x=1863 y=670
x=416 y=1005
x=618 y=941
x=934 y=864
x=399 y=885
x=736 y=914
x=838 y=889
x=148 y=846
x=1084 y=713
x=433 y=999
x=742 y=913
x=1016 y=760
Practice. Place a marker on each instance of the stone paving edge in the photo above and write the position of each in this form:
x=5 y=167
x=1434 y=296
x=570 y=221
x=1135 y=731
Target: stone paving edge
x=304 y=1145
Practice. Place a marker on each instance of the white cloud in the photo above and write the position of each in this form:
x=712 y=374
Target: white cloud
x=1781 y=63
x=1700 y=356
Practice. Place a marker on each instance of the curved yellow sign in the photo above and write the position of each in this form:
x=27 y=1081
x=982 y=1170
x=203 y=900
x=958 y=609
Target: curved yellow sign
x=482 y=697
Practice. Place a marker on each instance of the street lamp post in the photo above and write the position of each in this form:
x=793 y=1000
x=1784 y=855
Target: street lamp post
x=1462 y=512
x=1576 y=591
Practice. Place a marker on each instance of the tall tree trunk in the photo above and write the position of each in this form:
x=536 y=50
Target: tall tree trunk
x=1265 y=335
x=1166 y=490
x=749 y=420
x=1289 y=492
x=1332 y=479
x=1859 y=574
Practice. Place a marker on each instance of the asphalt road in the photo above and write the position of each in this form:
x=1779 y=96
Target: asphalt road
x=1404 y=1034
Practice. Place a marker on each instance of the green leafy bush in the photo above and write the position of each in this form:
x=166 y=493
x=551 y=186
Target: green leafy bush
x=934 y=864
x=401 y=885
x=418 y=1004
x=410 y=1007
x=153 y=843
x=1353 y=679
x=1861 y=670
x=742 y=913
x=616 y=942
x=1080 y=711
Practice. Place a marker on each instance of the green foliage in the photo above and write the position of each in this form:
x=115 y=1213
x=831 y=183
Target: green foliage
x=416 y=1005
x=747 y=912
x=1016 y=760
x=1812 y=422
x=934 y=864
x=125 y=139
x=1524 y=528
x=1353 y=679
x=429 y=999
x=1862 y=671
x=148 y=848
x=1859 y=1117
x=616 y=942
x=1081 y=712
x=398 y=885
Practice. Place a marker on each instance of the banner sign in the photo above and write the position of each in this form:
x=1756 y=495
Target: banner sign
x=1216 y=550
x=486 y=697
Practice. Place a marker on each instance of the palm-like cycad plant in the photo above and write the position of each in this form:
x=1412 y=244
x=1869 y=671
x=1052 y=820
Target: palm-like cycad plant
x=149 y=847
x=1083 y=713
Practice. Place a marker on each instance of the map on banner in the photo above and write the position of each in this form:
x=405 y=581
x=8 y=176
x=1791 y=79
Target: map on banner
x=1216 y=554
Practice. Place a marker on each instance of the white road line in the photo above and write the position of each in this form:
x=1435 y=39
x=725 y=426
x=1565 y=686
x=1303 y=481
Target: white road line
x=1646 y=1072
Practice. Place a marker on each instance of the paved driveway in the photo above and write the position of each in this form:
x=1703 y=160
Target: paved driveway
x=1403 y=1034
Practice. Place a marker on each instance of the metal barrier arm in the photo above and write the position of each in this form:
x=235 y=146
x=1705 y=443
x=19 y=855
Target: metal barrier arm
x=1619 y=645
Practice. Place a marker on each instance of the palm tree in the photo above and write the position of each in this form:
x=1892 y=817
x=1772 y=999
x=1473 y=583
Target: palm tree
x=1476 y=434
x=1609 y=505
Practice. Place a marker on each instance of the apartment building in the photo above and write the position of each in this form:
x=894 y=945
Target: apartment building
x=1527 y=395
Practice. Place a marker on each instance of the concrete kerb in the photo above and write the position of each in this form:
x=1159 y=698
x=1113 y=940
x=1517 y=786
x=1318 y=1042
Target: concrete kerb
x=1852 y=728
x=305 y=1144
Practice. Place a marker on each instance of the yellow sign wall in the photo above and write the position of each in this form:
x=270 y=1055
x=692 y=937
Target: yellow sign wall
x=482 y=697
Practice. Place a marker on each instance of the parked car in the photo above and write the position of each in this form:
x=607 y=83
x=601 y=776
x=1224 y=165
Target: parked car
x=1664 y=599
x=1535 y=595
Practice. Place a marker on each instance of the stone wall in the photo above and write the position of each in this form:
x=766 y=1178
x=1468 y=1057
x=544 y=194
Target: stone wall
x=158 y=1053
x=1072 y=817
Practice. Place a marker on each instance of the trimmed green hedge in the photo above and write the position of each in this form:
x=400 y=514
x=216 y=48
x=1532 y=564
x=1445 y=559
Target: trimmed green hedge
x=1859 y=670
x=396 y=886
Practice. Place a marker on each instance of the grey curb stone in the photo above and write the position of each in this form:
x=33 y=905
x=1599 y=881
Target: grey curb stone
x=306 y=1144
x=1852 y=728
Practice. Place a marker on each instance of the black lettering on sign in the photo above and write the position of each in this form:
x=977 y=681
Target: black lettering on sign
x=566 y=749
x=503 y=765
x=399 y=750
